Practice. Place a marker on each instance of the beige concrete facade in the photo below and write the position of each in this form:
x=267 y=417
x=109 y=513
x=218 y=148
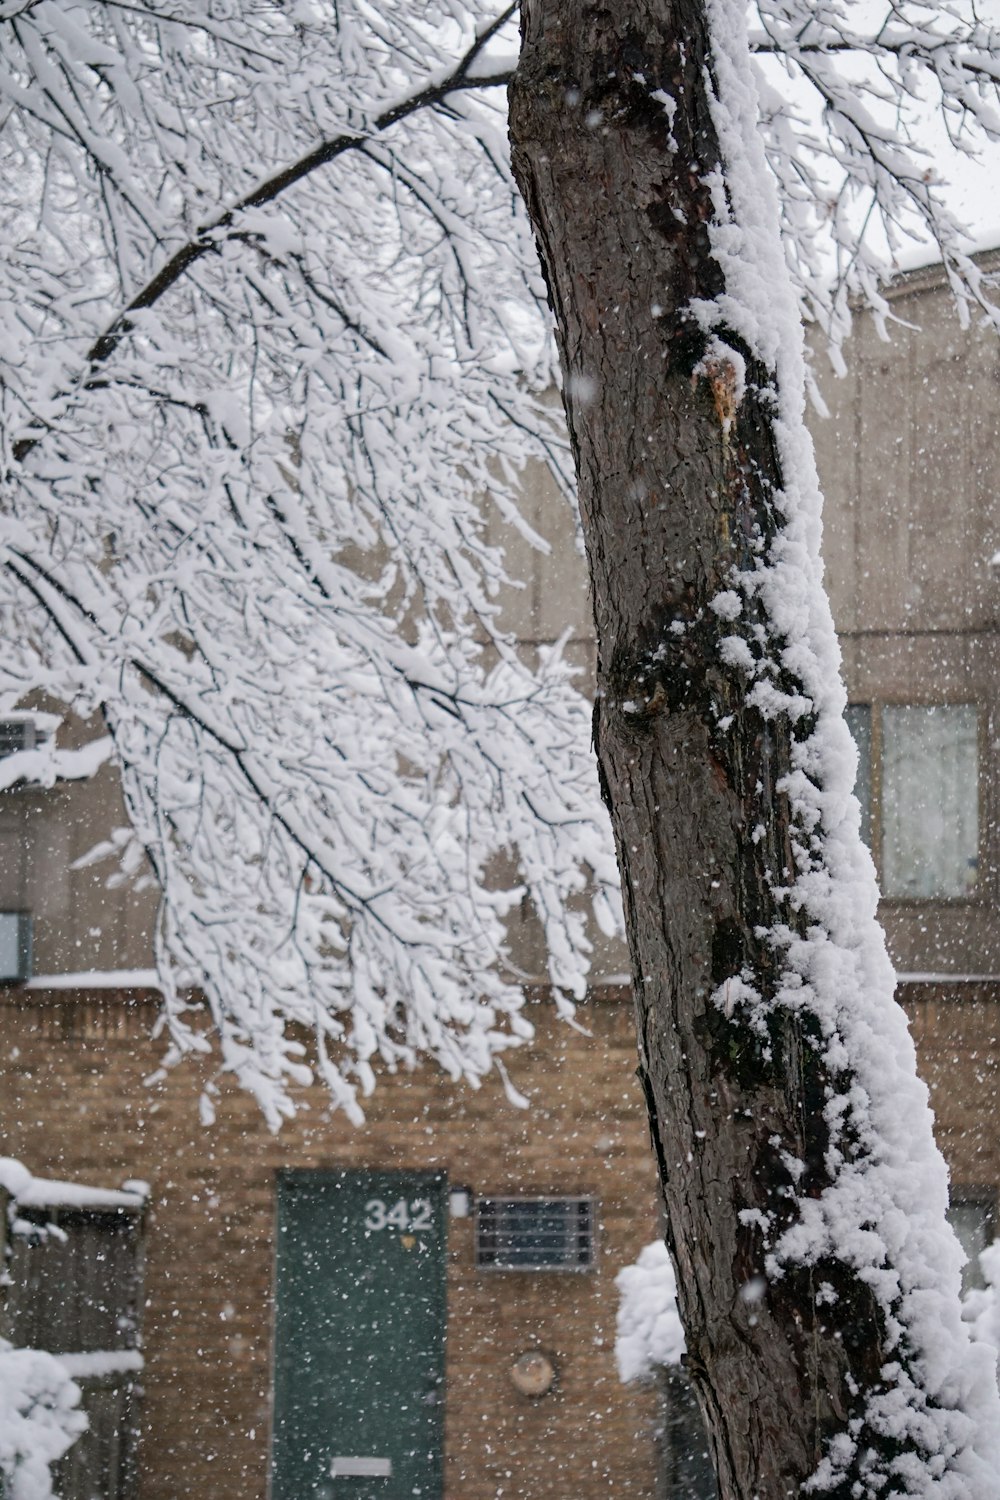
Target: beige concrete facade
x=908 y=459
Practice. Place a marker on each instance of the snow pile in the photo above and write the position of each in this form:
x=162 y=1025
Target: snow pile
x=649 y=1332
x=39 y=1420
x=29 y=1191
x=981 y=1305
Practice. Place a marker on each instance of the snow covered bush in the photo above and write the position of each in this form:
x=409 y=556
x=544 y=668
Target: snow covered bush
x=649 y=1332
x=40 y=1419
x=981 y=1305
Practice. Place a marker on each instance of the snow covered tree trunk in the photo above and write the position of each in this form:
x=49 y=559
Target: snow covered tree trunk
x=818 y=1281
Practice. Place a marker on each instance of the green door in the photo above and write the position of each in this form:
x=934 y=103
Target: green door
x=359 y=1335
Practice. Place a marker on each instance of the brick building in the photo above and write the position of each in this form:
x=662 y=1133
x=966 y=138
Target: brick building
x=506 y=1227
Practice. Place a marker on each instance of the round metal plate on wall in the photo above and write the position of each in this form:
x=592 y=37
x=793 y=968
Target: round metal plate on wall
x=533 y=1374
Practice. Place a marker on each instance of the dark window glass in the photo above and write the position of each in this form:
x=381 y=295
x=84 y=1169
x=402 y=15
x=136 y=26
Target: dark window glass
x=75 y=1280
x=74 y=1288
x=973 y=1218
x=930 y=800
x=16 y=734
x=859 y=722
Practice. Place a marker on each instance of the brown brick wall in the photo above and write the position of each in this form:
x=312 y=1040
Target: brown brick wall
x=958 y=1045
x=75 y=1104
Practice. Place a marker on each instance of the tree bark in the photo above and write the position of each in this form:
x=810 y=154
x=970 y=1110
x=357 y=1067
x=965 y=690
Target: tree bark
x=613 y=140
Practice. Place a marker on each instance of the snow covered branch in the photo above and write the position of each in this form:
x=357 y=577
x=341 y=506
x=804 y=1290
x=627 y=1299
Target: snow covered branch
x=277 y=358
x=226 y=225
x=848 y=95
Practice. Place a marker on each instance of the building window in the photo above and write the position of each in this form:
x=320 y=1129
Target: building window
x=918 y=786
x=25 y=731
x=859 y=722
x=15 y=946
x=972 y=1213
x=535 y=1234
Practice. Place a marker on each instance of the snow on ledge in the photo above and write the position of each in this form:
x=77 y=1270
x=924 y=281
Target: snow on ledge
x=97 y=979
x=45 y=765
x=917 y=977
x=98 y=1362
x=47 y=1192
x=930 y=978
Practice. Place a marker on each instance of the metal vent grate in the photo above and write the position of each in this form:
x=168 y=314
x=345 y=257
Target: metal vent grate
x=535 y=1234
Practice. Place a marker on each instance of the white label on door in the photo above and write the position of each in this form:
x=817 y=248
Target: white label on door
x=368 y=1468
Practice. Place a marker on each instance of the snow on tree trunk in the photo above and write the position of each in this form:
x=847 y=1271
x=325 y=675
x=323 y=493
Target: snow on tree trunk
x=818 y=1280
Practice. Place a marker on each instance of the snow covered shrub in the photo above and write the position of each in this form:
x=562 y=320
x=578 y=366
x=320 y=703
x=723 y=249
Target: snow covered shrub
x=649 y=1331
x=40 y=1420
x=981 y=1305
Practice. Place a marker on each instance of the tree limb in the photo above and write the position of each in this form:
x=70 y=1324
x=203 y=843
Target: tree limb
x=209 y=236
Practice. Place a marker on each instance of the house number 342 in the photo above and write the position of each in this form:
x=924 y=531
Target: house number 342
x=402 y=1215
